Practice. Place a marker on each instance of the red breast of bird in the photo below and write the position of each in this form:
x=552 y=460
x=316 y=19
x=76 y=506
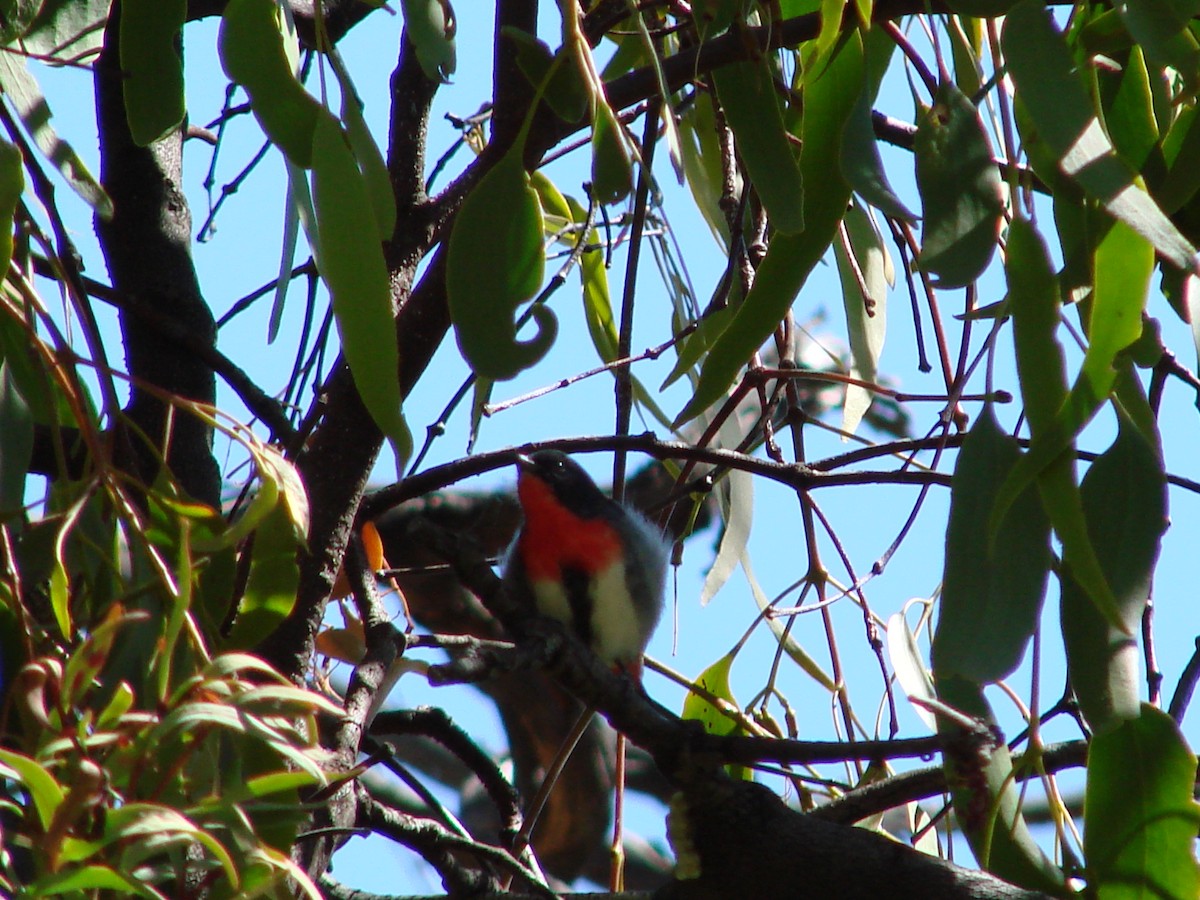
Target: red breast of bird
x=587 y=561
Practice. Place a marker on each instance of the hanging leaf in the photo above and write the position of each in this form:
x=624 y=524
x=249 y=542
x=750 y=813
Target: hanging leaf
x=862 y=166
x=431 y=26
x=752 y=108
x=352 y=265
x=962 y=200
x=1033 y=298
x=494 y=265
x=152 y=67
x=612 y=168
x=992 y=589
x=257 y=48
x=564 y=90
x=907 y=662
x=863 y=268
x=366 y=152
x=1125 y=502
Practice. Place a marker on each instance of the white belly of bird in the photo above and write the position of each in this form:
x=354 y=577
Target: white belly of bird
x=616 y=634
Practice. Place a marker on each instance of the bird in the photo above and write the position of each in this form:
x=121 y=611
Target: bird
x=582 y=558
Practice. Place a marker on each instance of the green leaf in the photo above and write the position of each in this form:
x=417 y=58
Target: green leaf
x=1125 y=502
x=1033 y=296
x=962 y=200
x=257 y=47
x=987 y=798
x=715 y=680
x=67 y=29
x=1124 y=264
x=1160 y=27
x=92 y=878
x=46 y=793
x=828 y=102
x=352 y=264
x=494 y=264
x=864 y=275
x=748 y=96
x=1140 y=818
x=612 y=169
x=861 y=164
x=34 y=112
x=992 y=591
x=366 y=152
x=1129 y=118
x=564 y=90
x=431 y=26
x=16 y=445
x=1042 y=67
x=12 y=185
x=271 y=587
x=701 y=152
x=15 y=17
x=152 y=66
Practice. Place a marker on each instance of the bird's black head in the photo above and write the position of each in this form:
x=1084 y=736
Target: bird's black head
x=572 y=486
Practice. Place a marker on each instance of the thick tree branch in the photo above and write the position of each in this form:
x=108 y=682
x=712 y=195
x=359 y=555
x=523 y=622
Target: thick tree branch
x=147 y=247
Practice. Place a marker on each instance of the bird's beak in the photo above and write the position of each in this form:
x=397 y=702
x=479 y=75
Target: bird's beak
x=525 y=463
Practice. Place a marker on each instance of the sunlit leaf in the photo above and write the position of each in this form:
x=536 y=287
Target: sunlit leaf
x=1042 y=67
x=715 y=680
x=67 y=29
x=257 y=46
x=271 y=586
x=1129 y=118
x=366 y=152
x=43 y=789
x=353 y=267
x=1140 y=816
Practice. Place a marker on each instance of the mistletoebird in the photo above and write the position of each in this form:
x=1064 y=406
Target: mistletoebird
x=586 y=560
